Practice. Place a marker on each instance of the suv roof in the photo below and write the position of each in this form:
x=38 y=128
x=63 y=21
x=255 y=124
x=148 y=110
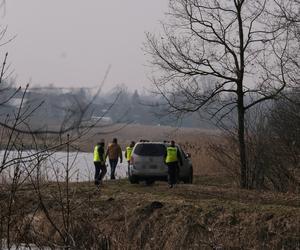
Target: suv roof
x=149 y=149
x=154 y=142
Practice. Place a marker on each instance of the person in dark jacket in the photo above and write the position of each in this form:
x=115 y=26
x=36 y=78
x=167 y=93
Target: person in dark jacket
x=113 y=153
x=172 y=159
x=99 y=162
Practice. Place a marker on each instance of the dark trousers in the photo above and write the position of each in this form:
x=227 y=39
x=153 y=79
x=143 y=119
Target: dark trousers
x=172 y=172
x=113 y=164
x=100 y=171
x=128 y=168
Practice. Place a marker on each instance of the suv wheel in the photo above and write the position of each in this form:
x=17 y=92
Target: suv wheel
x=133 y=179
x=150 y=182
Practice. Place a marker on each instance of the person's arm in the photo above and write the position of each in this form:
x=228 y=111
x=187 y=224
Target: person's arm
x=101 y=154
x=179 y=156
x=125 y=153
x=106 y=154
x=120 y=154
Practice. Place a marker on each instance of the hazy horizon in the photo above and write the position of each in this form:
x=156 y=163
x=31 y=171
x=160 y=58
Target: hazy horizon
x=71 y=43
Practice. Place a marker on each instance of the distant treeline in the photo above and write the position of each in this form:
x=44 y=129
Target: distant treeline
x=55 y=105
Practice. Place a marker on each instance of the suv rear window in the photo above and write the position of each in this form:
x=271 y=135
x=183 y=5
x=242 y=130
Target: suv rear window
x=150 y=149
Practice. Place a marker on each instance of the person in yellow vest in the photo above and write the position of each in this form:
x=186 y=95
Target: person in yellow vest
x=128 y=153
x=99 y=162
x=172 y=158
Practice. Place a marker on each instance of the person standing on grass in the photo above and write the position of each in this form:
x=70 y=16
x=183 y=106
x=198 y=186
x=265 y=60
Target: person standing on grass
x=172 y=158
x=113 y=153
x=99 y=162
x=128 y=153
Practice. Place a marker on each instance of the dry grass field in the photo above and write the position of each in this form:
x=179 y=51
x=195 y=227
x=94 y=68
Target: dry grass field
x=211 y=213
x=126 y=216
x=194 y=141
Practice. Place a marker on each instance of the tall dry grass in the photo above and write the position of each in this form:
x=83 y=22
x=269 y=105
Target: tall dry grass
x=194 y=141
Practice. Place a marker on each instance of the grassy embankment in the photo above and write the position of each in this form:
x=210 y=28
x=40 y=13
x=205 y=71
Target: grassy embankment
x=199 y=216
x=211 y=213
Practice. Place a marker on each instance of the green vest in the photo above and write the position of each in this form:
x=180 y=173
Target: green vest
x=128 y=153
x=96 y=154
x=171 y=154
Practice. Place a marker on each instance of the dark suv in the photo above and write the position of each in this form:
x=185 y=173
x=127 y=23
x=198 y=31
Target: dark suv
x=147 y=163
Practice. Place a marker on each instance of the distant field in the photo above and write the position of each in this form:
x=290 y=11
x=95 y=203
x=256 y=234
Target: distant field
x=194 y=141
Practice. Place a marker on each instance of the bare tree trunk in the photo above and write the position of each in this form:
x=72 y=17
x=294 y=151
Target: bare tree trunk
x=68 y=195
x=240 y=100
x=242 y=144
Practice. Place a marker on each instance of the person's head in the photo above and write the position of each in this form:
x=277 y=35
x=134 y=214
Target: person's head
x=101 y=143
x=172 y=143
x=115 y=140
x=132 y=144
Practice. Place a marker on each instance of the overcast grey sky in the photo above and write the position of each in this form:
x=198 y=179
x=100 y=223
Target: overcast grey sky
x=72 y=42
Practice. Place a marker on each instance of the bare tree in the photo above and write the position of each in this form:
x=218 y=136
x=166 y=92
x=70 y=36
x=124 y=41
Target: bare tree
x=25 y=147
x=225 y=52
x=287 y=17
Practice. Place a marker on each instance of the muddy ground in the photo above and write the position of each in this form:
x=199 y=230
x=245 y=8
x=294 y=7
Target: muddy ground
x=210 y=214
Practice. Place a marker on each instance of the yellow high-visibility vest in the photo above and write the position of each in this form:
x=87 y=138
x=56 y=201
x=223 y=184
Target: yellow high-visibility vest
x=171 y=154
x=96 y=155
x=128 y=153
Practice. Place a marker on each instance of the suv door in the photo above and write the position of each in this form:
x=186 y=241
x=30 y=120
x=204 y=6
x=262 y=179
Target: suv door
x=186 y=170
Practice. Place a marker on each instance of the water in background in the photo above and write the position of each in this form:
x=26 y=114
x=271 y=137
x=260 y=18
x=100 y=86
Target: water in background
x=52 y=166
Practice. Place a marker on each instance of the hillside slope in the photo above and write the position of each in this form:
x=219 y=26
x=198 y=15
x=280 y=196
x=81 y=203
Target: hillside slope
x=125 y=216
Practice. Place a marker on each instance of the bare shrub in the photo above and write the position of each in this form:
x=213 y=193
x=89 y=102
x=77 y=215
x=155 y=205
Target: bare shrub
x=272 y=147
